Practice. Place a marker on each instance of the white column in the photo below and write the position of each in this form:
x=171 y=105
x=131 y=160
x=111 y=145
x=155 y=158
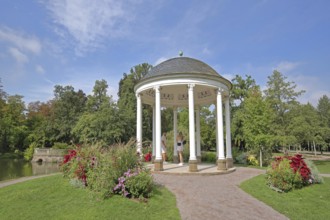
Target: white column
x=228 y=134
x=191 y=122
x=158 y=124
x=175 y=130
x=220 y=146
x=198 y=131
x=216 y=132
x=139 y=123
x=153 y=130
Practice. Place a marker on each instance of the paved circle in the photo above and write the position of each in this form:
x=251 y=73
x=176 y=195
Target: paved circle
x=217 y=196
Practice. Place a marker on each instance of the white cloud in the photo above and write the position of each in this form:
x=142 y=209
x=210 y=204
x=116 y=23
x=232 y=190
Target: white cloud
x=314 y=88
x=18 y=55
x=206 y=51
x=88 y=23
x=160 y=60
x=286 y=66
x=40 y=69
x=22 y=41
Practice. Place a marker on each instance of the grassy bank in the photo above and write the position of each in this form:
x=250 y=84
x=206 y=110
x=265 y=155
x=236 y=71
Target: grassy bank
x=322 y=165
x=308 y=203
x=54 y=198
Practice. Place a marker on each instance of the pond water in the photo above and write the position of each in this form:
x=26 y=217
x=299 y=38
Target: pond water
x=15 y=168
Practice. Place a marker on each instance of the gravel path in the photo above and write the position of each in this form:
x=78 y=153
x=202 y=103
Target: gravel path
x=217 y=197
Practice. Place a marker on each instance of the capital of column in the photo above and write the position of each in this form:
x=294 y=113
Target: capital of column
x=219 y=91
x=138 y=95
x=191 y=86
x=157 y=88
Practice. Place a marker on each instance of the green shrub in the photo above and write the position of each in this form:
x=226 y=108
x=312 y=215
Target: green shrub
x=11 y=155
x=59 y=145
x=235 y=152
x=315 y=172
x=28 y=153
x=186 y=152
x=140 y=185
x=252 y=160
x=101 y=178
x=281 y=176
x=99 y=168
x=241 y=158
x=124 y=157
x=209 y=157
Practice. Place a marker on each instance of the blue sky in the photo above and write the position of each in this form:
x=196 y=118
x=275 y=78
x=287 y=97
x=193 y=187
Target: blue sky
x=75 y=42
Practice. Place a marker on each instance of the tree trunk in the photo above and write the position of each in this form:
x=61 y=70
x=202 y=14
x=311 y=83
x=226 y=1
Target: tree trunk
x=260 y=158
x=314 y=148
x=308 y=145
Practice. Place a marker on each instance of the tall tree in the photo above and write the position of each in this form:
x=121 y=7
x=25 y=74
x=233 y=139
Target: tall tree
x=13 y=131
x=282 y=96
x=240 y=92
x=3 y=96
x=323 y=107
x=257 y=120
x=307 y=126
x=127 y=101
x=103 y=122
x=38 y=117
x=99 y=96
x=241 y=87
x=69 y=105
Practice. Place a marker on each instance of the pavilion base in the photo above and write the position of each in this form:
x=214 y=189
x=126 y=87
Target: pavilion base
x=199 y=159
x=230 y=163
x=158 y=165
x=222 y=164
x=175 y=159
x=193 y=166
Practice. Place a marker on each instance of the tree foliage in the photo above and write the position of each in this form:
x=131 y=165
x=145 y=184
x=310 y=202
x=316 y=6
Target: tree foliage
x=256 y=123
x=258 y=120
x=127 y=101
x=102 y=122
x=282 y=96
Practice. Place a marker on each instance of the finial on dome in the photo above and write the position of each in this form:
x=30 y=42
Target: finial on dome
x=180 y=53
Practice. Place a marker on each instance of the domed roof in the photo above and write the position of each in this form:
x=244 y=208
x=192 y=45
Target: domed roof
x=174 y=75
x=181 y=65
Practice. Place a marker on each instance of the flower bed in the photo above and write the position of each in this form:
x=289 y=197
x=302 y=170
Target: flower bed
x=291 y=172
x=107 y=171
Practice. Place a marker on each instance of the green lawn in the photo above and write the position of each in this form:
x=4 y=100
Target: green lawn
x=308 y=203
x=54 y=198
x=322 y=165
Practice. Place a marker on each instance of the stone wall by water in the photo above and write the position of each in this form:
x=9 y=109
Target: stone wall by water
x=48 y=155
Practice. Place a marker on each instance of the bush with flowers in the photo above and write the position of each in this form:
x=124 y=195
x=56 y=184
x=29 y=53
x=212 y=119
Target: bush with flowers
x=252 y=160
x=135 y=184
x=99 y=169
x=290 y=172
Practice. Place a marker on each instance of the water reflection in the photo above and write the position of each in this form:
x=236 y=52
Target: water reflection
x=44 y=168
x=14 y=168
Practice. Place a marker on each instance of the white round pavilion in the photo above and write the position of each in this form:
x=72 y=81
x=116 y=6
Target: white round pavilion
x=180 y=82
